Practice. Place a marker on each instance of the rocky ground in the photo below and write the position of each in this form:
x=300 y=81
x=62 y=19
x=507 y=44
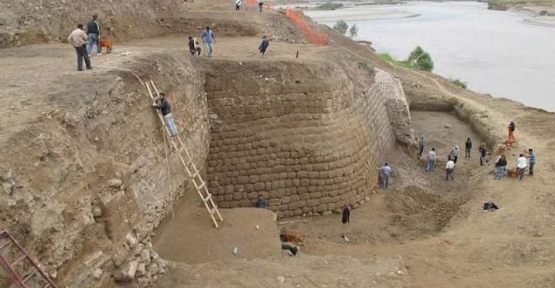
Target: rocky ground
x=422 y=232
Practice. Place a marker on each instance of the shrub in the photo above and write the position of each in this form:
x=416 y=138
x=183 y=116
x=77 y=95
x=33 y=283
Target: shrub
x=420 y=59
x=459 y=83
x=353 y=31
x=341 y=26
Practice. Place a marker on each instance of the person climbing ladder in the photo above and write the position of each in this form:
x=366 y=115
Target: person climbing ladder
x=162 y=103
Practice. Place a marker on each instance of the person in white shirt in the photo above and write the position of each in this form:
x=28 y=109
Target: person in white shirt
x=521 y=165
x=78 y=40
x=449 y=167
x=431 y=160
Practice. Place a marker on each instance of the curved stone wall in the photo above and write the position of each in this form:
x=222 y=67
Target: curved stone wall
x=307 y=146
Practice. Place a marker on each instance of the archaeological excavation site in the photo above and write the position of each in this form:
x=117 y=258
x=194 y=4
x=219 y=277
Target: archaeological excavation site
x=95 y=193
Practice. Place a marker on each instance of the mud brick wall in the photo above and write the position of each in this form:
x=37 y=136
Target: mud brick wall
x=306 y=146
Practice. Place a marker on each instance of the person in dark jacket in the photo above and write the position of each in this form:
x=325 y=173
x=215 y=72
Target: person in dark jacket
x=467 y=147
x=261 y=203
x=346 y=218
x=93 y=30
x=483 y=152
x=346 y=215
x=194 y=47
x=263 y=46
x=162 y=103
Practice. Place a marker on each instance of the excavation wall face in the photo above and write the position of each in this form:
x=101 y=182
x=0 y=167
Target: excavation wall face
x=86 y=178
x=305 y=136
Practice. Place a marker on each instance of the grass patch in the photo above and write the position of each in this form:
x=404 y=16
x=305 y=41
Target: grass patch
x=458 y=82
x=368 y=68
x=388 y=58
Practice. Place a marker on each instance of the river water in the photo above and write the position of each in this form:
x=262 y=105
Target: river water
x=494 y=52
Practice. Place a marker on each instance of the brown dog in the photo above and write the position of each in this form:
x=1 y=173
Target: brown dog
x=105 y=43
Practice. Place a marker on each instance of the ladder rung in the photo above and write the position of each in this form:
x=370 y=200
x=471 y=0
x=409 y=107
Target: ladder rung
x=199 y=187
x=47 y=285
x=21 y=258
x=30 y=275
x=207 y=198
x=195 y=174
x=5 y=244
x=213 y=210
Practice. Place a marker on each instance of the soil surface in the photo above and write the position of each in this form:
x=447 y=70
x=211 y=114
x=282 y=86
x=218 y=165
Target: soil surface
x=437 y=227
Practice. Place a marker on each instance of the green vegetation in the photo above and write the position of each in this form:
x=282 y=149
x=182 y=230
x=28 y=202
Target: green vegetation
x=353 y=31
x=368 y=68
x=418 y=59
x=421 y=59
x=459 y=83
x=497 y=5
x=388 y=58
x=341 y=26
x=329 y=6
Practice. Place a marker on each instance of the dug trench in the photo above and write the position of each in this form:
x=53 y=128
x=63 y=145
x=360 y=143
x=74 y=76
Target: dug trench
x=87 y=183
x=307 y=135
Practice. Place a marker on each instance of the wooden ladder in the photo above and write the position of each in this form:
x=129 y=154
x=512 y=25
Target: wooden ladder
x=6 y=240
x=189 y=165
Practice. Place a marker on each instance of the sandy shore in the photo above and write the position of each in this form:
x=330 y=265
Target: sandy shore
x=541 y=21
x=351 y=14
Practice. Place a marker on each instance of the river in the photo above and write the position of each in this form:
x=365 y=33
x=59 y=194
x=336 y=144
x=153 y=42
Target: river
x=494 y=52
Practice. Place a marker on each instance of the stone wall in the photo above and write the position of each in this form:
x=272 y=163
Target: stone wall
x=305 y=136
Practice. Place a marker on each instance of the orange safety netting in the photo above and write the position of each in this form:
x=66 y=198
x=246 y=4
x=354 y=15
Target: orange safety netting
x=309 y=32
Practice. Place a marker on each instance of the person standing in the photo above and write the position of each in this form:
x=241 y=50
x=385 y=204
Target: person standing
x=521 y=165
x=263 y=46
x=483 y=152
x=78 y=39
x=93 y=30
x=421 y=145
x=345 y=218
x=512 y=128
x=431 y=165
x=209 y=39
x=449 y=167
x=467 y=147
x=532 y=160
x=454 y=154
x=162 y=103
x=386 y=173
x=500 y=164
x=260 y=4
x=238 y=4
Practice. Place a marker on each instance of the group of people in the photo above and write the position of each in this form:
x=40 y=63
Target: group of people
x=83 y=42
x=239 y=4
x=209 y=39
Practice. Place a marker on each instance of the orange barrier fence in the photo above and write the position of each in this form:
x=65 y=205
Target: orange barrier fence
x=309 y=32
